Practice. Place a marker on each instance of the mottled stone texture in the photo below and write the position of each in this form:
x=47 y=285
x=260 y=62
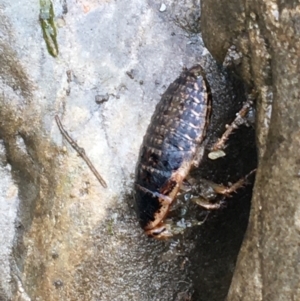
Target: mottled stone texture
x=267 y=35
x=65 y=236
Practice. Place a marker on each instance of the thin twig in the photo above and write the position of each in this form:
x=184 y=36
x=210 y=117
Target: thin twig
x=80 y=151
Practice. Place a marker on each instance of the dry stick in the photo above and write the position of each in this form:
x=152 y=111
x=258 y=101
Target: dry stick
x=80 y=151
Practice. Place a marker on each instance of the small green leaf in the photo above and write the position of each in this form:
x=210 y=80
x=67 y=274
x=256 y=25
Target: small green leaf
x=48 y=26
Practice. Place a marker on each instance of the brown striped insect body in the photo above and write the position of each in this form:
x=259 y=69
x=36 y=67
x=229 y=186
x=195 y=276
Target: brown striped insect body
x=173 y=144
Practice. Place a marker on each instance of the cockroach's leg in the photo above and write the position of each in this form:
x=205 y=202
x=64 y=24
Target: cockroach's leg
x=205 y=192
x=169 y=227
x=217 y=149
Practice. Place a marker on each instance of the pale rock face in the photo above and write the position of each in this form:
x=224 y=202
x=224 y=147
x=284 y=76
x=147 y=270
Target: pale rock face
x=65 y=237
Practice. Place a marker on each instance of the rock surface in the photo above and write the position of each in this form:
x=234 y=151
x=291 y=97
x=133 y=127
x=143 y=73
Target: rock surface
x=65 y=237
x=266 y=35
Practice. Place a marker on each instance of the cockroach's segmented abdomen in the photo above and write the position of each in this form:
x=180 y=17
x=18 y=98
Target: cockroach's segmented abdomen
x=176 y=131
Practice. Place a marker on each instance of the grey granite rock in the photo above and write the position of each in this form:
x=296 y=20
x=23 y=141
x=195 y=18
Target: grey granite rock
x=65 y=237
x=266 y=34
